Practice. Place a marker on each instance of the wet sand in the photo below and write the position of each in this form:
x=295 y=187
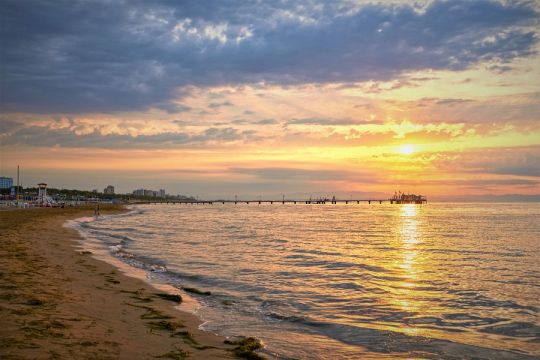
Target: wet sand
x=57 y=302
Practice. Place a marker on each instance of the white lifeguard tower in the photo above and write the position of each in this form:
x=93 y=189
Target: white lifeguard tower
x=42 y=194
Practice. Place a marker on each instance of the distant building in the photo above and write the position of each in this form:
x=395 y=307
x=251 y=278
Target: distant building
x=149 y=193
x=138 y=192
x=109 y=190
x=6 y=182
x=152 y=193
x=42 y=194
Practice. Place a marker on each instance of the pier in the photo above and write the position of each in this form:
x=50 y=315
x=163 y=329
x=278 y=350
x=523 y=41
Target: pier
x=423 y=200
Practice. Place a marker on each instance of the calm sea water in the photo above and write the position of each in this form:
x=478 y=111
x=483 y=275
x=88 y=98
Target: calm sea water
x=349 y=281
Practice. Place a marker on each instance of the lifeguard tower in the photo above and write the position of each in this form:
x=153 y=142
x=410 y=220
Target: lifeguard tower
x=42 y=194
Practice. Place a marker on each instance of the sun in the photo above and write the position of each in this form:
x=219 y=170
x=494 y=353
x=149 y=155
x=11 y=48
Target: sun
x=407 y=149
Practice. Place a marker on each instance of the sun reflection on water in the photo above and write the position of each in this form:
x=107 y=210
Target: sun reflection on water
x=409 y=240
x=409 y=235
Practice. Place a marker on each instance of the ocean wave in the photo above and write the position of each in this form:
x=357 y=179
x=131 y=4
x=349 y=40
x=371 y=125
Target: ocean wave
x=414 y=346
x=140 y=262
x=281 y=317
x=516 y=329
x=475 y=300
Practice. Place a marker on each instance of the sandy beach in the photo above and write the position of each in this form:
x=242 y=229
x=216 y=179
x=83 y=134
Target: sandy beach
x=57 y=302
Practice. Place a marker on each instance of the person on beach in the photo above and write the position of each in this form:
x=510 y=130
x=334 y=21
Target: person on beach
x=96 y=211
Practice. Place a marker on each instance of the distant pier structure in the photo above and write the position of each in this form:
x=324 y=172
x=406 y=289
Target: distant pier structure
x=398 y=198
x=402 y=198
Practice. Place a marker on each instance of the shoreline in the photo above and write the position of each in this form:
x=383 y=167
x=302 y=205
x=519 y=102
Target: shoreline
x=101 y=252
x=59 y=302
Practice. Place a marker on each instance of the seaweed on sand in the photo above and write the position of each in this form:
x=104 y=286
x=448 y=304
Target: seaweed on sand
x=154 y=314
x=245 y=348
x=187 y=336
x=150 y=313
x=142 y=299
x=165 y=325
x=175 y=354
x=170 y=297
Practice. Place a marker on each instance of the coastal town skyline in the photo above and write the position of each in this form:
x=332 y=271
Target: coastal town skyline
x=207 y=99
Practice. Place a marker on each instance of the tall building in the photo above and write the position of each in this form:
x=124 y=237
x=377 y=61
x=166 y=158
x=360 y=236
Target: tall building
x=109 y=190
x=161 y=193
x=6 y=182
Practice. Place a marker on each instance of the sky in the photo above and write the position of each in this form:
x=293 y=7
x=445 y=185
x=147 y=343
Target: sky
x=263 y=98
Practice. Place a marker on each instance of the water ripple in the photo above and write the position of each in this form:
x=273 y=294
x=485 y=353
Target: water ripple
x=435 y=281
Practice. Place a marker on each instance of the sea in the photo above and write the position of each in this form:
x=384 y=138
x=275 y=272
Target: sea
x=345 y=281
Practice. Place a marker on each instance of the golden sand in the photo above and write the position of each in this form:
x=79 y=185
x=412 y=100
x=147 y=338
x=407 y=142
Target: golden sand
x=59 y=302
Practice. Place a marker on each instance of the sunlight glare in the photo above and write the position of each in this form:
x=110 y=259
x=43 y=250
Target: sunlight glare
x=406 y=149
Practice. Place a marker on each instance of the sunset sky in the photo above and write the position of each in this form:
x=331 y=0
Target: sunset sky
x=217 y=98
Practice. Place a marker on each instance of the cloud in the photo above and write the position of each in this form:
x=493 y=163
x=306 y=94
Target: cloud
x=500 y=69
x=522 y=170
x=173 y=108
x=8 y=126
x=219 y=105
x=298 y=174
x=119 y=56
x=485 y=115
x=483 y=183
x=328 y=122
x=254 y=122
x=452 y=102
x=42 y=136
x=480 y=184
x=515 y=161
x=186 y=123
x=266 y=122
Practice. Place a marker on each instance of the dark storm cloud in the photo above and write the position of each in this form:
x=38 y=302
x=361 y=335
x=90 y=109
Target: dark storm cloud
x=77 y=56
